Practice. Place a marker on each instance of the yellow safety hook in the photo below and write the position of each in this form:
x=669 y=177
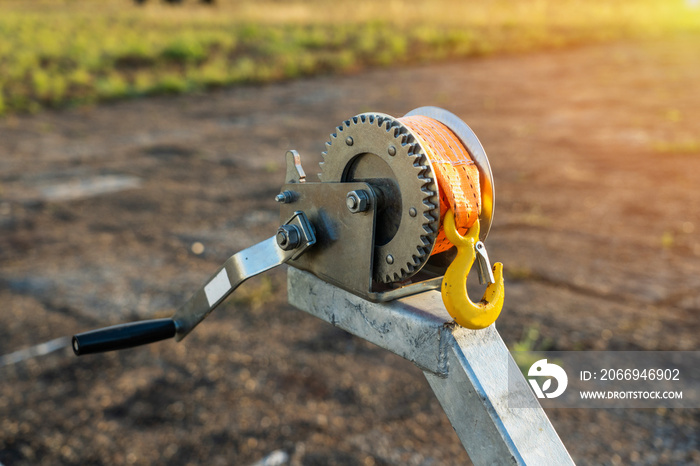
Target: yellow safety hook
x=454 y=284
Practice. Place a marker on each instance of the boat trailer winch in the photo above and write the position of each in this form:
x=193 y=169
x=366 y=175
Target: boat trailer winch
x=401 y=210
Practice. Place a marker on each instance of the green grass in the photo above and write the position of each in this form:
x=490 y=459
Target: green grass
x=687 y=146
x=531 y=341
x=59 y=53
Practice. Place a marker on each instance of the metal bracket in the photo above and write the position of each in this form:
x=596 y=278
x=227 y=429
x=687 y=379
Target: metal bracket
x=467 y=369
x=344 y=252
x=344 y=248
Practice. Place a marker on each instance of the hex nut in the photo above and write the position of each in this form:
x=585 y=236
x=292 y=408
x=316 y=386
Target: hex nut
x=357 y=201
x=288 y=237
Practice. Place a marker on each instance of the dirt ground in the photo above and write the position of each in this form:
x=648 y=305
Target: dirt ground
x=597 y=227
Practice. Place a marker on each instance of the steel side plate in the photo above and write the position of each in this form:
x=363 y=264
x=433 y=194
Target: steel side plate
x=344 y=248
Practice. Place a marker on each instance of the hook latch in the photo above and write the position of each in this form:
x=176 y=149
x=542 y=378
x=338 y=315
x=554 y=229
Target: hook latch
x=483 y=265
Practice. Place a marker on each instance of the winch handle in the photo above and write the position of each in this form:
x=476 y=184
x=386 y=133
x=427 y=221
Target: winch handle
x=291 y=240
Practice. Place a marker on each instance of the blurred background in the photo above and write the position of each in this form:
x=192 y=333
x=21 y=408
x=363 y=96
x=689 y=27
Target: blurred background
x=142 y=143
x=75 y=52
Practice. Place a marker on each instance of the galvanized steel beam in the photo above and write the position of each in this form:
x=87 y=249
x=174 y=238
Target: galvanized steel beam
x=467 y=369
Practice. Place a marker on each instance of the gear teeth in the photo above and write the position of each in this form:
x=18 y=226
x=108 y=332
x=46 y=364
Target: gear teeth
x=419 y=169
x=337 y=156
x=425 y=189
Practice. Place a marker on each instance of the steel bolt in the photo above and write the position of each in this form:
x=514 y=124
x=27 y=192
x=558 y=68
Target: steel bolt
x=288 y=237
x=285 y=197
x=389 y=259
x=357 y=201
x=349 y=141
x=412 y=212
x=392 y=151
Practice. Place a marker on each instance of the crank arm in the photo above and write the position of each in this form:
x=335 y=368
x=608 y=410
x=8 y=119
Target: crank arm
x=292 y=239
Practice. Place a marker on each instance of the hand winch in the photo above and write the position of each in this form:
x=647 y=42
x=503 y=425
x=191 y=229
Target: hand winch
x=402 y=206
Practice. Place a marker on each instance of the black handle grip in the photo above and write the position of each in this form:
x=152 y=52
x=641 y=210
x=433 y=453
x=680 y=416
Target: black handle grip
x=123 y=336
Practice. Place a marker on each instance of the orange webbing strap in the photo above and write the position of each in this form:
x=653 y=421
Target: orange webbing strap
x=457 y=175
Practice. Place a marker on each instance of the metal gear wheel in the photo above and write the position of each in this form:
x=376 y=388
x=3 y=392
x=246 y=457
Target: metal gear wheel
x=381 y=151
